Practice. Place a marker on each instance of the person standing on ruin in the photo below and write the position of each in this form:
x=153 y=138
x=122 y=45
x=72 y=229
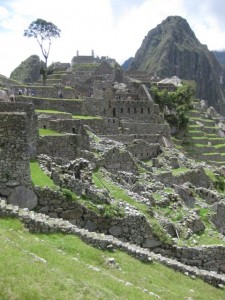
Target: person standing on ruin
x=12 y=97
x=60 y=94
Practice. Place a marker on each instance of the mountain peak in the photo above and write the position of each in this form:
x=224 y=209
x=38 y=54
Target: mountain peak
x=171 y=48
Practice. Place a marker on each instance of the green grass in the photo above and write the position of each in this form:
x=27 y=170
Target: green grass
x=219 y=146
x=116 y=192
x=49 y=132
x=74 y=270
x=119 y=194
x=79 y=117
x=93 y=136
x=55 y=99
x=38 y=177
x=48 y=111
x=179 y=171
x=157 y=196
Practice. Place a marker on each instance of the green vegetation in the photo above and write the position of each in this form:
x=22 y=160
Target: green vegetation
x=85 y=67
x=55 y=99
x=119 y=194
x=57 y=267
x=93 y=136
x=87 y=117
x=41 y=179
x=49 y=132
x=43 y=32
x=218 y=181
x=179 y=171
x=175 y=105
x=49 y=111
x=38 y=177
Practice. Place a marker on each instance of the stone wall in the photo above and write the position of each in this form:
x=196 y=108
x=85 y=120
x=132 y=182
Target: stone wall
x=66 y=126
x=133 y=109
x=117 y=159
x=31 y=122
x=210 y=258
x=128 y=138
x=219 y=216
x=143 y=150
x=71 y=126
x=132 y=227
x=40 y=223
x=145 y=128
x=67 y=147
x=71 y=106
x=111 y=126
x=48 y=91
x=196 y=177
x=14 y=158
x=94 y=107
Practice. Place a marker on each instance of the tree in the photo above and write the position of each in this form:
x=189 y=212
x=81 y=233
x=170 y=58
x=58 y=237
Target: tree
x=175 y=105
x=43 y=32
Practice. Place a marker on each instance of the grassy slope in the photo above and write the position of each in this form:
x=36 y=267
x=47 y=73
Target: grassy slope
x=56 y=266
x=38 y=177
x=49 y=132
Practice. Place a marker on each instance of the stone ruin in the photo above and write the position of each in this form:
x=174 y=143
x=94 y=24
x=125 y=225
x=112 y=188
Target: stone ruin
x=128 y=131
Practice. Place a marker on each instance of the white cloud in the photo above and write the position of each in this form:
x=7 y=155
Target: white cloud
x=109 y=27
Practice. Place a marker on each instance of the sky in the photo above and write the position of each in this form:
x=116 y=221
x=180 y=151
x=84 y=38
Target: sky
x=113 y=28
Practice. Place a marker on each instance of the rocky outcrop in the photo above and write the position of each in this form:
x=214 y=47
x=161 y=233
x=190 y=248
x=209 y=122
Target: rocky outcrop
x=220 y=55
x=173 y=49
x=28 y=71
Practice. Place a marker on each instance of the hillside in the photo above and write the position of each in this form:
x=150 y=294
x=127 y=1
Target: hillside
x=173 y=49
x=55 y=267
x=99 y=164
x=28 y=71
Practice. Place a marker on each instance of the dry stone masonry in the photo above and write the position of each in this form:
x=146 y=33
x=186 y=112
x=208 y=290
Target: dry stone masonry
x=40 y=223
x=107 y=120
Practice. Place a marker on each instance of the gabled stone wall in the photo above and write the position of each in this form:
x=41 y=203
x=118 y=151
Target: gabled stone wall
x=66 y=147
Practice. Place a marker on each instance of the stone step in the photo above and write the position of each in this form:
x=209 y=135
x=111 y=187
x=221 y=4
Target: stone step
x=199 y=140
x=208 y=156
x=195 y=133
x=194 y=113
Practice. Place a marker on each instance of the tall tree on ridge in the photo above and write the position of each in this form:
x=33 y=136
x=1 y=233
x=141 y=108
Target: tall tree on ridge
x=43 y=32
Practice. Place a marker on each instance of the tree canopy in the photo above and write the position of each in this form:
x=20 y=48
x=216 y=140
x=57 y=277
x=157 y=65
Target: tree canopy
x=175 y=105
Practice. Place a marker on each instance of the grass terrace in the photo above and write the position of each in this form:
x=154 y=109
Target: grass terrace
x=38 y=177
x=80 y=117
x=49 y=132
x=57 y=267
x=50 y=111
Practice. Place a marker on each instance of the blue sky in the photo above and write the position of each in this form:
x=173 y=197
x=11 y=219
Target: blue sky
x=113 y=28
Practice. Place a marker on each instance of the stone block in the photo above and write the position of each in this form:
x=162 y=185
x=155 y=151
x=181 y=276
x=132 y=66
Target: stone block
x=23 y=197
x=72 y=214
x=115 y=230
x=151 y=243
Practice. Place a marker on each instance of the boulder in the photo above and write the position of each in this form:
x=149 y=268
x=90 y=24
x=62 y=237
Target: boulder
x=72 y=214
x=23 y=197
x=4 y=96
